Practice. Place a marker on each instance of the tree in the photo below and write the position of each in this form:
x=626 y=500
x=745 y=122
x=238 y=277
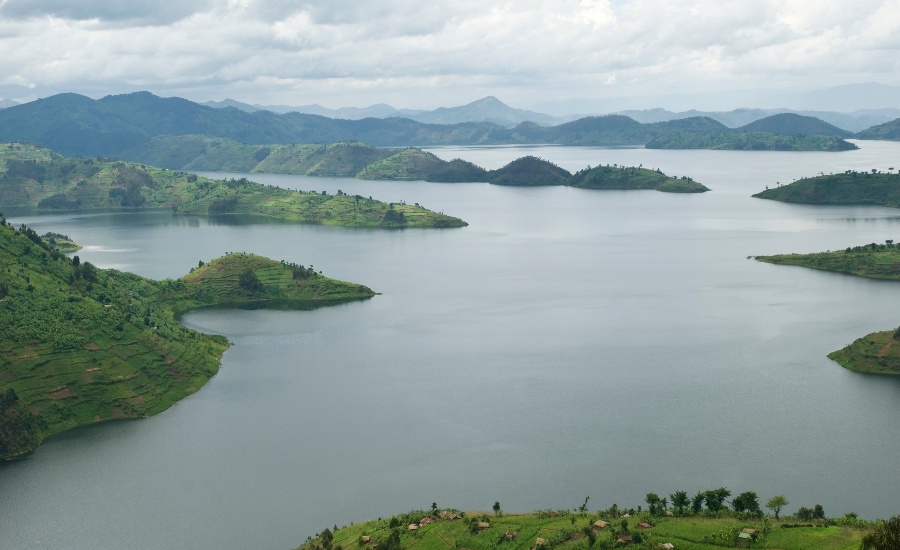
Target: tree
x=497 y=507
x=697 y=502
x=776 y=503
x=746 y=502
x=583 y=507
x=715 y=498
x=652 y=501
x=885 y=536
x=680 y=501
x=818 y=512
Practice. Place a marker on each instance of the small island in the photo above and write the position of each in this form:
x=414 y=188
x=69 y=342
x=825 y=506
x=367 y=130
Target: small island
x=61 y=242
x=876 y=352
x=81 y=345
x=750 y=141
x=851 y=187
x=36 y=178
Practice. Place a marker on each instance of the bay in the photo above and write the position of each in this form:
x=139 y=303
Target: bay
x=567 y=343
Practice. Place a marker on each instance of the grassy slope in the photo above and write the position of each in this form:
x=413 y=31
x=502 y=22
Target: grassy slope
x=52 y=181
x=621 y=177
x=80 y=345
x=749 y=141
x=850 y=187
x=689 y=533
x=878 y=352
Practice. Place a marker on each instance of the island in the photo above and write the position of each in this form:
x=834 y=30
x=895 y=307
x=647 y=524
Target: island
x=81 y=345
x=749 y=141
x=851 y=187
x=36 y=178
x=62 y=243
x=878 y=352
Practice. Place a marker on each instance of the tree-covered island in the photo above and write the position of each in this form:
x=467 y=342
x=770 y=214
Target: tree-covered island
x=37 y=178
x=851 y=187
x=81 y=345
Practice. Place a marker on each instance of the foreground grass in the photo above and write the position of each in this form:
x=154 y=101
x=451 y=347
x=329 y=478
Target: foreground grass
x=558 y=531
x=81 y=345
x=878 y=352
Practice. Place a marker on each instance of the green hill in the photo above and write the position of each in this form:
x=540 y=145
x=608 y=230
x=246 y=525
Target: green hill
x=566 y=530
x=80 y=345
x=530 y=171
x=415 y=164
x=875 y=352
x=36 y=178
x=622 y=177
x=749 y=141
x=888 y=130
x=873 y=188
x=795 y=125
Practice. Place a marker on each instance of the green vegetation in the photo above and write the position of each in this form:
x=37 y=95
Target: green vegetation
x=621 y=177
x=32 y=177
x=749 y=141
x=81 y=345
x=414 y=164
x=61 y=242
x=439 y=529
x=888 y=130
x=850 y=187
x=528 y=171
x=875 y=352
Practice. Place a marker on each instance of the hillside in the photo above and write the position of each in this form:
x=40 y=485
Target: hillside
x=438 y=529
x=878 y=352
x=529 y=171
x=36 y=178
x=873 y=188
x=749 y=141
x=794 y=125
x=631 y=177
x=414 y=164
x=888 y=130
x=81 y=345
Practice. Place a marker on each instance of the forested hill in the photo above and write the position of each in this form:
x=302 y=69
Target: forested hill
x=76 y=125
x=37 y=178
x=81 y=345
x=794 y=124
x=888 y=130
x=850 y=187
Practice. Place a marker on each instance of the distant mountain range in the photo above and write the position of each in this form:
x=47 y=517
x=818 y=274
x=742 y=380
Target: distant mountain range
x=491 y=109
x=76 y=125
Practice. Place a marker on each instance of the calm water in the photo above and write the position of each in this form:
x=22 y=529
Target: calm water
x=567 y=343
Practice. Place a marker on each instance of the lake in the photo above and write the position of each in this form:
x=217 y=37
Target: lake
x=568 y=343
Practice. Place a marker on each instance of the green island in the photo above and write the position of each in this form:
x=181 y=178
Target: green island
x=81 y=345
x=851 y=187
x=878 y=352
x=62 y=243
x=701 y=522
x=353 y=159
x=749 y=141
x=37 y=178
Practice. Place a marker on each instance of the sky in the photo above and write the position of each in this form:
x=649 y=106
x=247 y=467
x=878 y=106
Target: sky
x=423 y=55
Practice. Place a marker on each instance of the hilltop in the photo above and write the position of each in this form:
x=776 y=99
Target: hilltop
x=889 y=130
x=850 y=187
x=37 y=178
x=530 y=171
x=874 y=352
x=81 y=345
x=630 y=177
x=794 y=124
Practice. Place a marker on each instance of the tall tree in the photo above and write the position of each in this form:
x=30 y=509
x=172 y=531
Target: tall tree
x=680 y=501
x=885 y=536
x=776 y=503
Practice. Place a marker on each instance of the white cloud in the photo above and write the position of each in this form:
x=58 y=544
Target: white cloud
x=427 y=54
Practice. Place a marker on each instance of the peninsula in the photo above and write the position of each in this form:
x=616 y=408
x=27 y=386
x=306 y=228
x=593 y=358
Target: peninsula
x=37 y=178
x=851 y=187
x=878 y=352
x=81 y=345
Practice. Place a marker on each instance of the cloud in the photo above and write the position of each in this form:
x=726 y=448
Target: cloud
x=134 y=11
x=420 y=54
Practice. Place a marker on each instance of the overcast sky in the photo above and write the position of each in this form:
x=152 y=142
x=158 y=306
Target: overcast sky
x=414 y=54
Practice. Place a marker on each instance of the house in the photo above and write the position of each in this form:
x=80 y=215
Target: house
x=751 y=532
x=365 y=539
x=538 y=543
x=510 y=534
x=600 y=525
x=667 y=546
x=413 y=527
x=426 y=520
x=454 y=516
x=624 y=539
x=482 y=525
x=644 y=526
